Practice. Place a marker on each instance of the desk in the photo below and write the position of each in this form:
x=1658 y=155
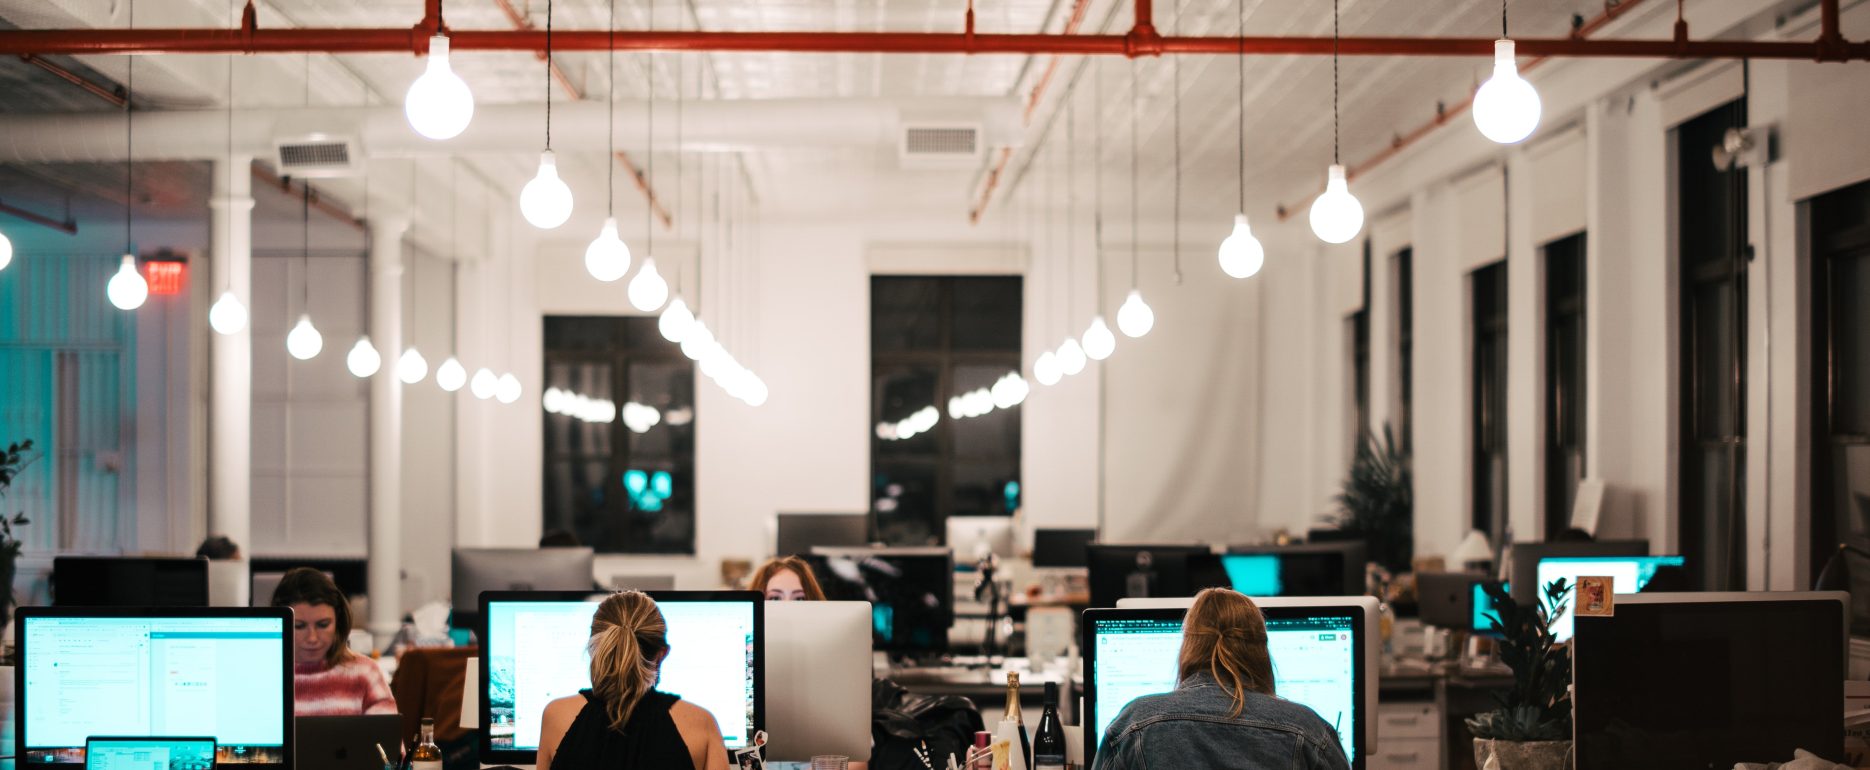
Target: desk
x=1422 y=711
x=986 y=687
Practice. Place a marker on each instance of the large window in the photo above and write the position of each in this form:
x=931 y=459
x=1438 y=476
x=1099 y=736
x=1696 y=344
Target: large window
x=1405 y=348
x=619 y=435
x=935 y=450
x=1841 y=387
x=1489 y=406
x=1564 y=380
x=1359 y=331
x=1713 y=348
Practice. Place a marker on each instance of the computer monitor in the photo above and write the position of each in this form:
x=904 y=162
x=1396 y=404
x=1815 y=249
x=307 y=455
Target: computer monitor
x=1126 y=571
x=1485 y=611
x=1710 y=679
x=265 y=584
x=799 y=533
x=516 y=569
x=910 y=591
x=149 y=753
x=1524 y=559
x=972 y=537
x=222 y=672
x=1323 y=652
x=818 y=674
x=129 y=581
x=351 y=573
x=1630 y=574
x=1312 y=569
x=535 y=650
x=1061 y=548
x=1446 y=599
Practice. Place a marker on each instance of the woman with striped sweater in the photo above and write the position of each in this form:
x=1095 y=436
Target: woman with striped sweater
x=328 y=678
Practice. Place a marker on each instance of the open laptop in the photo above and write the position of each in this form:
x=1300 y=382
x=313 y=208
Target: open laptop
x=143 y=753
x=347 y=743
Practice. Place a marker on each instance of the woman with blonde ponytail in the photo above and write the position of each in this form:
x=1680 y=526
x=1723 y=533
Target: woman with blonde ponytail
x=623 y=722
x=1224 y=711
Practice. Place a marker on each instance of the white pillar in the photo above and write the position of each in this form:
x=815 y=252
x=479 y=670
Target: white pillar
x=230 y=402
x=386 y=430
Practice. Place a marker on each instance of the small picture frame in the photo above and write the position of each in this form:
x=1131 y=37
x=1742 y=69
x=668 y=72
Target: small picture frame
x=1596 y=597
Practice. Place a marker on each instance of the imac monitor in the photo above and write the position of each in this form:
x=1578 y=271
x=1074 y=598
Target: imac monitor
x=536 y=651
x=1447 y=599
x=910 y=591
x=1710 y=680
x=1630 y=574
x=1316 y=569
x=1151 y=571
x=121 y=581
x=973 y=537
x=516 y=569
x=1061 y=548
x=818 y=671
x=1320 y=660
x=1524 y=561
x=149 y=754
x=799 y=533
x=1484 y=608
x=223 y=673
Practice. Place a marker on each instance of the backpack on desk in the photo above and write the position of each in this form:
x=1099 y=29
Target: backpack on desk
x=902 y=722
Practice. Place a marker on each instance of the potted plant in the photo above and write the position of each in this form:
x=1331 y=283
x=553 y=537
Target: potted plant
x=1532 y=728
x=12 y=461
x=1378 y=501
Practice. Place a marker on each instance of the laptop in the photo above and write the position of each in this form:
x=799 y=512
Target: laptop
x=145 y=753
x=348 y=743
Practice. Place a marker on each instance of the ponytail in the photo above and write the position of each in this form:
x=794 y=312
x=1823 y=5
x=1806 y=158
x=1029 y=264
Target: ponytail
x=628 y=638
x=1224 y=635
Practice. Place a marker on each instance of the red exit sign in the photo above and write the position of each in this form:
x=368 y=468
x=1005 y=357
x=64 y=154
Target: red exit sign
x=166 y=277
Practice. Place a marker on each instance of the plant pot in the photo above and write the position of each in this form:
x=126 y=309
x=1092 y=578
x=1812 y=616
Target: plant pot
x=1521 y=755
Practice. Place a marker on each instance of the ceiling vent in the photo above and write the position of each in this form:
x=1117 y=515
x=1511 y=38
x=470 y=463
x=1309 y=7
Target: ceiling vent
x=940 y=146
x=318 y=155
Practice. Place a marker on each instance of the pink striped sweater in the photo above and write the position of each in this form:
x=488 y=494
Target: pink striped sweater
x=353 y=687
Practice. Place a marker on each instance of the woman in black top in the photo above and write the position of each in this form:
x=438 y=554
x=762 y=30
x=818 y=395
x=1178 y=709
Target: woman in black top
x=622 y=722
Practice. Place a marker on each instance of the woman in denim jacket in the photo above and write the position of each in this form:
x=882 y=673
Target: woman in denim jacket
x=1223 y=712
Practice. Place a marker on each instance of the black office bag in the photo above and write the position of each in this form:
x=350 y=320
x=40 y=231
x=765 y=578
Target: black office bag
x=902 y=722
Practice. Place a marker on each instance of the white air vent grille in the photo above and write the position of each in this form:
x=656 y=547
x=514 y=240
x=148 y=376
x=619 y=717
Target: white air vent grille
x=940 y=146
x=318 y=155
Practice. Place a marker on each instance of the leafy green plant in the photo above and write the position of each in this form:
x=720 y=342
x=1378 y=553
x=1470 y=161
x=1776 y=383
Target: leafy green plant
x=1378 y=501
x=12 y=461
x=1538 y=708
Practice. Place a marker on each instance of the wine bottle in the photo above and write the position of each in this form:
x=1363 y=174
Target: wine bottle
x=1048 y=742
x=1013 y=715
x=427 y=755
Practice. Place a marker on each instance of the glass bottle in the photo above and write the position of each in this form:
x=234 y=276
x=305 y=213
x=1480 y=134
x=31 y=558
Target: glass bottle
x=1013 y=715
x=427 y=755
x=1048 y=742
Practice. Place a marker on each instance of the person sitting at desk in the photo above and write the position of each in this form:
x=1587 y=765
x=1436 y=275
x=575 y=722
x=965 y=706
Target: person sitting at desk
x=786 y=579
x=623 y=722
x=1223 y=711
x=328 y=679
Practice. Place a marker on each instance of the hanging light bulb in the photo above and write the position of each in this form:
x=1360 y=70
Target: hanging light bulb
x=484 y=383
x=647 y=290
x=1506 y=108
x=1336 y=214
x=1134 y=317
x=1045 y=368
x=227 y=316
x=507 y=390
x=127 y=289
x=696 y=342
x=412 y=367
x=1241 y=254
x=1099 y=343
x=304 y=341
x=675 y=320
x=608 y=257
x=546 y=201
x=363 y=360
x=439 y=104
x=757 y=392
x=6 y=251
x=1071 y=357
x=451 y=375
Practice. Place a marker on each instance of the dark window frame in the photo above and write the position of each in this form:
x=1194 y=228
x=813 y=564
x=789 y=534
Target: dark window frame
x=1359 y=323
x=1403 y=268
x=1488 y=285
x=1566 y=366
x=1840 y=231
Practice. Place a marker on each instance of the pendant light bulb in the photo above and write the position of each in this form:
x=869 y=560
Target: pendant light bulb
x=304 y=341
x=756 y=392
x=127 y=289
x=363 y=360
x=507 y=390
x=1135 y=318
x=1506 y=108
x=1241 y=254
x=675 y=321
x=227 y=316
x=6 y=251
x=546 y=201
x=451 y=375
x=1071 y=357
x=439 y=104
x=608 y=257
x=1099 y=342
x=412 y=367
x=696 y=342
x=1336 y=214
x=1045 y=368
x=484 y=383
x=647 y=290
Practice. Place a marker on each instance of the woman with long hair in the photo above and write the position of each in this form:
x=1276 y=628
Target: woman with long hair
x=1224 y=711
x=328 y=679
x=623 y=722
x=786 y=579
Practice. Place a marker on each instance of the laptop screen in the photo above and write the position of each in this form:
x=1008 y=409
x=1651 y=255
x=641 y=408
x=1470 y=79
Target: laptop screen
x=149 y=754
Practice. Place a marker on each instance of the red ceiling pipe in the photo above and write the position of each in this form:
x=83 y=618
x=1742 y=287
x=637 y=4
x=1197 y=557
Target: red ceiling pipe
x=66 y=226
x=97 y=89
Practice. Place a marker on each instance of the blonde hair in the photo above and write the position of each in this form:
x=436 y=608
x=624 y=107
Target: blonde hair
x=1224 y=635
x=793 y=564
x=628 y=638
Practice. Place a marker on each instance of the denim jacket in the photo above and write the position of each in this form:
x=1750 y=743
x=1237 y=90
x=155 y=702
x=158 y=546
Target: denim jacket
x=1189 y=729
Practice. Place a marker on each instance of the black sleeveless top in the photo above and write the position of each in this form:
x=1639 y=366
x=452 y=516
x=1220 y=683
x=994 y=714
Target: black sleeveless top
x=649 y=741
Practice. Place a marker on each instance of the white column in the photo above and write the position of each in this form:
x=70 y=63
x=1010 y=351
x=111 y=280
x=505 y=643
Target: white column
x=386 y=429
x=230 y=402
